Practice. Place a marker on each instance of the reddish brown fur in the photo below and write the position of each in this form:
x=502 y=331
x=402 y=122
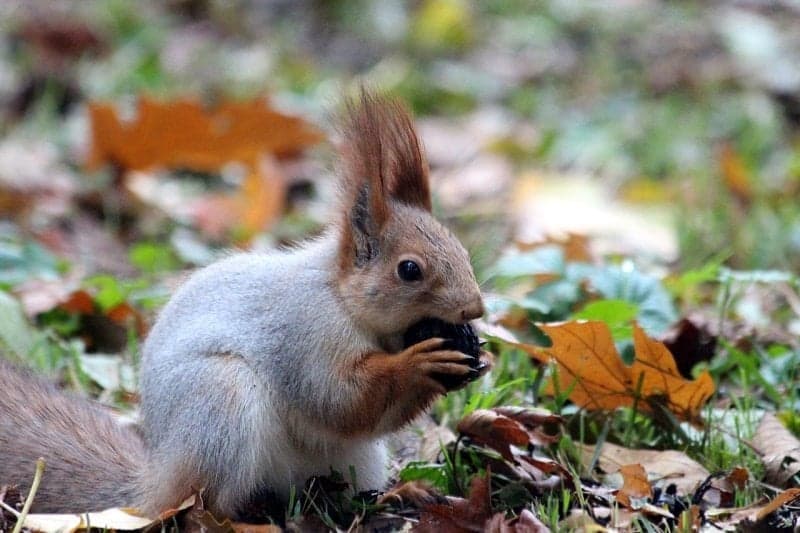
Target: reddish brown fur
x=85 y=449
x=382 y=156
x=394 y=388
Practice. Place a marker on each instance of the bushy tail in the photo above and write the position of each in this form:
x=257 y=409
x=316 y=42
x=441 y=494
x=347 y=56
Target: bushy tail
x=92 y=462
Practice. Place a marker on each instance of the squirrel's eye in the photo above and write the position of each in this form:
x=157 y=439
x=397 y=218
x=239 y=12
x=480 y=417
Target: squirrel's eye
x=409 y=271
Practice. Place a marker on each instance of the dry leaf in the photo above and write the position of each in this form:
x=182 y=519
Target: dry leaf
x=527 y=522
x=576 y=246
x=458 y=514
x=39 y=295
x=535 y=421
x=257 y=202
x=111 y=519
x=728 y=518
x=415 y=493
x=636 y=488
x=592 y=370
x=494 y=430
x=738 y=477
x=671 y=466
x=753 y=515
x=79 y=302
x=779 y=449
x=184 y=134
x=784 y=498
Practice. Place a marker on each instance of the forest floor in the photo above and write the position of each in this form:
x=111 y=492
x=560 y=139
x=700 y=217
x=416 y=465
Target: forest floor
x=624 y=173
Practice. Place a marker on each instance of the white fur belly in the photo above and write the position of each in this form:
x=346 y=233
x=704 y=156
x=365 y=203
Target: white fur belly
x=286 y=463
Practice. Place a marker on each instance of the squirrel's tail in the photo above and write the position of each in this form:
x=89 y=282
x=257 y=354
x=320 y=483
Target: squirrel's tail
x=92 y=462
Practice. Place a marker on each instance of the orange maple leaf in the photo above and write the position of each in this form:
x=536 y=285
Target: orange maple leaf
x=590 y=368
x=185 y=134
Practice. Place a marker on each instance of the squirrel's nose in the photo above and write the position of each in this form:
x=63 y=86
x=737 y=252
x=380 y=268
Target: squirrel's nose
x=473 y=310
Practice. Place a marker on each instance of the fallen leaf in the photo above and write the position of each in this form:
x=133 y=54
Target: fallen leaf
x=78 y=302
x=759 y=516
x=103 y=330
x=494 y=430
x=416 y=493
x=779 y=449
x=663 y=466
x=715 y=491
x=738 y=477
x=108 y=371
x=590 y=368
x=111 y=519
x=784 y=498
x=527 y=522
x=460 y=514
x=575 y=246
x=728 y=518
x=257 y=202
x=536 y=422
x=185 y=135
x=636 y=489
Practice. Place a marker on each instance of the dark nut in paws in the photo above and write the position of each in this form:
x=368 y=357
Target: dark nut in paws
x=460 y=337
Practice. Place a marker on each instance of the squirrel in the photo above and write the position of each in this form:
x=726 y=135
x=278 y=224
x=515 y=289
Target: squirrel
x=265 y=369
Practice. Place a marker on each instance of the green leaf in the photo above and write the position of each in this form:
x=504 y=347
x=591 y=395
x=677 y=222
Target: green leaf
x=618 y=314
x=436 y=475
x=656 y=310
x=691 y=278
x=110 y=292
x=16 y=334
x=152 y=258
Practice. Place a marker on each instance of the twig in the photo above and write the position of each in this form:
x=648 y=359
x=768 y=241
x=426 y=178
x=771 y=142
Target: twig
x=37 y=478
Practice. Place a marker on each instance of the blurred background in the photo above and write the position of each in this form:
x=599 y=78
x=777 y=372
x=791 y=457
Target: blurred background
x=684 y=112
x=664 y=133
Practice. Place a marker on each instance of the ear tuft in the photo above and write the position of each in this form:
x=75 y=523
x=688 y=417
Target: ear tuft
x=381 y=162
x=380 y=145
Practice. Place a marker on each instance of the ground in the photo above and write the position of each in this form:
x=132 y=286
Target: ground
x=624 y=174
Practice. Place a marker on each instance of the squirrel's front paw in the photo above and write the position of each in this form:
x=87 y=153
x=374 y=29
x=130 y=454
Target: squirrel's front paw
x=443 y=369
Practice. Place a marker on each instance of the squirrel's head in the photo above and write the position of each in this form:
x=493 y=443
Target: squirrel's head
x=397 y=263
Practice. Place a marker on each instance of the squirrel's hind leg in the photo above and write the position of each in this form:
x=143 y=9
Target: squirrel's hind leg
x=224 y=445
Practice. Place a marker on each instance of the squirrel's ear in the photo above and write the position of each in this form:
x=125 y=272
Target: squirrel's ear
x=407 y=169
x=382 y=162
x=365 y=205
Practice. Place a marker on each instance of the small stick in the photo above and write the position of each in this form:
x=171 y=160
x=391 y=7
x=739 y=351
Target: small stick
x=37 y=478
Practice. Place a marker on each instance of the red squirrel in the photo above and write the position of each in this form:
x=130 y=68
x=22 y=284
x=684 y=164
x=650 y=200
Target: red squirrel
x=266 y=369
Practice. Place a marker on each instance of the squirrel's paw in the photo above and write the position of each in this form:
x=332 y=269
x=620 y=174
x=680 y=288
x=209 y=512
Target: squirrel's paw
x=446 y=370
